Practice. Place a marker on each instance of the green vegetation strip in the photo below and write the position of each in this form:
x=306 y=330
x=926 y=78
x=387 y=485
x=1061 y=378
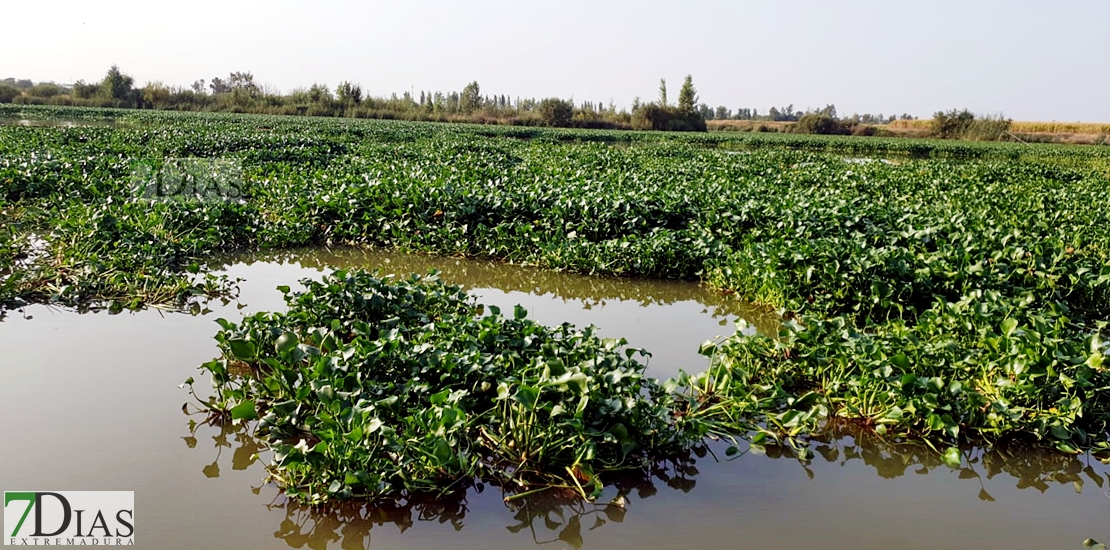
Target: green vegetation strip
x=953 y=292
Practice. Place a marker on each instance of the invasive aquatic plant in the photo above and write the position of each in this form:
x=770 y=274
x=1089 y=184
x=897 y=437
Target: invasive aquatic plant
x=373 y=387
x=10 y=277
x=979 y=369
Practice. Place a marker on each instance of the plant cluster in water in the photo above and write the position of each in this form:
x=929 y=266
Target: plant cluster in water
x=372 y=386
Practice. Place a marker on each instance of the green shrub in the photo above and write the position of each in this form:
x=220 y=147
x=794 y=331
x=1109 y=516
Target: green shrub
x=29 y=100
x=819 y=123
x=953 y=124
x=987 y=128
x=864 y=130
x=556 y=112
x=653 y=116
x=45 y=89
x=8 y=93
x=966 y=125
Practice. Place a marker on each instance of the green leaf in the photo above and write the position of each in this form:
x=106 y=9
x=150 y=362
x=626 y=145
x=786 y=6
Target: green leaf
x=952 y=457
x=901 y=361
x=1095 y=361
x=707 y=348
x=442 y=452
x=894 y=414
x=527 y=396
x=242 y=350
x=244 y=411
x=356 y=435
x=373 y=425
x=934 y=422
x=286 y=342
x=439 y=398
x=1061 y=433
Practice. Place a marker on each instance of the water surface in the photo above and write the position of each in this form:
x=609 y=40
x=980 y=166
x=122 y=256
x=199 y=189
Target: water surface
x=90 y=402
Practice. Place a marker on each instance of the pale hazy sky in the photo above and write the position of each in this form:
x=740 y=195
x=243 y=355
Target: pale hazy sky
x=1028 y=59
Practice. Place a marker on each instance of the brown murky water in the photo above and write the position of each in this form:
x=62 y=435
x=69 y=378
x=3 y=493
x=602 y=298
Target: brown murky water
x=90 y=402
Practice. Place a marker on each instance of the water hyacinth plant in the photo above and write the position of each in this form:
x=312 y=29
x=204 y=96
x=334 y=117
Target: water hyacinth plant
x=960 y=374
x=9 y=276
x=373 y=387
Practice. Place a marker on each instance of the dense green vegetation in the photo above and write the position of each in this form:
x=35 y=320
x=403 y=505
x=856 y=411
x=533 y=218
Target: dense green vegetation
x=9 y=255
x=373 y=387
x=950 y=292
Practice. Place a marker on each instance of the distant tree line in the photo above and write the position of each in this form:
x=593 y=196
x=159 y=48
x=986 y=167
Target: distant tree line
x=238 y=92
x=789 y=114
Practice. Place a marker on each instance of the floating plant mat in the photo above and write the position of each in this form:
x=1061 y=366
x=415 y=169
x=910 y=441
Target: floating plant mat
x=374 y=387
x=378 y=387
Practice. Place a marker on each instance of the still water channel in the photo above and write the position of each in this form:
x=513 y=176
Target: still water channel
x=91 y=402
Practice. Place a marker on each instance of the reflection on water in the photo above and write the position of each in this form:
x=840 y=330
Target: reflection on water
x=551 y=516
x=1031 y=467
x=562 y=518
x=589 y=291
x=668 y=318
